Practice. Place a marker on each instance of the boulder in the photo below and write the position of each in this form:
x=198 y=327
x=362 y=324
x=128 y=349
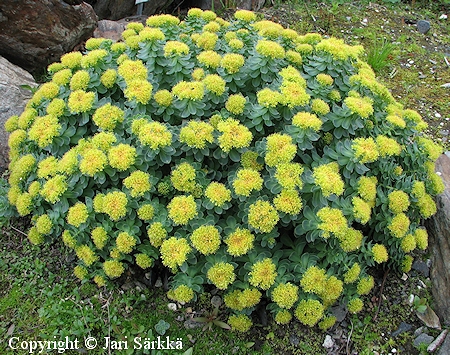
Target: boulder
x=118 y=9
x=109 y=29
x=13 y=81
x=439 y=244
x=36 y=33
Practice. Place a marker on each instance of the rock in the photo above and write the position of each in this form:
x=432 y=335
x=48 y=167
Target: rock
x=328 y=343
x=438 y=228
x=423 y=339
x=429 y=318
x=14 y=98
x=216 y=301
x=445 y=348
x=172 y=306
x=421 y=267
x=402 y=328
x=423 y=26
x=294 y=340
x=340 y=312
x=36 y=33
x=109 y=29
x=117 y=9
x=438 y=341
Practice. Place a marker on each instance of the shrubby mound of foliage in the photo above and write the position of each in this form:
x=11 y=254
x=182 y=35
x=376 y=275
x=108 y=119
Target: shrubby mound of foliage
x=240 y=155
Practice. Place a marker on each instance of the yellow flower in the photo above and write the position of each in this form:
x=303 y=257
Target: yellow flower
x=47 y=167
x=196 y=134
x=262 y=216
x=408 y=243
x=206 y=239
x=398 y=201
x=313 y=280
x=156 y=234
x=54 y=188
x=93 y=58
x=69 y=162
x=182 y=209
x=388 y=146
x=139 y=90
x=280 y=149
x=350 y=239
x=11 y=123
x=62 y=77
x=163 y=97
x=198 y=74
x=193 y=90
x=86 y=254
x=44 y=224
x=99 y=280
x=365 y=285
x=71 y=60
x=115 y=205
x=103 y=140
x=241 y=322
x=268 y=98
x=432 y=149
x=283 y=317
x=34 y=189
x=125 y=242
x=332 y=290
x=183 y=177
x=108 y=78
x=80 y=101
x=324 y=79
x=309 y=312
x=215 y=84
x=399 y=225
x=99 y=236
x=236 y=44
x=175 y=48
x=379 y=253
x=307 y=120
x=235 y=104
x=44 y=129
x=338 y=49
x=143 y=261
x=436 y=184
x=138 y=182
x=263 y=274
x=122 y=156
x=232 y=62
x=132 y=70
x=80 y=80
x=270 y=49
x=207 y=40
x=56 y=107
x=221 y=275
x=155 y=135
x=328 y=178
x=247 y=180
x=212 y=27
x=68 y=239
x=249 y=160
x=162 y=20
x=80 y=272
x=268 y=28
x=92 y=161
x=113 y=268
x=108 y=116
x=77 y=214
x=285 y=295
x=360 y=106
x=365 y=150
x=352 y=274
x=288 y=201
x=333 y=221
x=320 y=107
x=174 y=252
x=396 y=120
x=361 y=210
x=210 y=59
x=367 y=188
x=217 y=193
x=294 y=94
x=146 y=212
x=355 y=305
x=239 y=242
x=245 y=15
x=26 y=118
x=234 y=135
x=288 y=175
x=407 y=263
x=183 y=294
x=421 y=237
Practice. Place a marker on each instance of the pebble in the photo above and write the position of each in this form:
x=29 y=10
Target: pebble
x=294 y=340
x=421 y=267
x=423 y=26
x=340 y=312
x=402 y=328
x=438 y=341
x=423 y=339
x=445 y=348
x=328 y=343
x=172 y=306
x=437 y=115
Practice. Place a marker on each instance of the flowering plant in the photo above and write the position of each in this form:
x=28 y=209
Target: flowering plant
x=240 y=155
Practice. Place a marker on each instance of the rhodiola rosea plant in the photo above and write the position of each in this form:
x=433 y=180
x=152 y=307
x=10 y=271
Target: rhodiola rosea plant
x=240 y=155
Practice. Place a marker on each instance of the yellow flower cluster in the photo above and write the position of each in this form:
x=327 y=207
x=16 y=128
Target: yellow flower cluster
x=380 y=253
x=324 y=79
x=268 y=98
x=206 y=239
x=328 y=178
x=44 y=224
x=388 y=146
x=408 y=243
x=361 y=106
x=352 y=274
x=238 y=300
x=235 y=104
x=283 y=317
x=163 y=97
x=332 y=221
x=239 y=242
x=306 y=120
x=355 y=305
x=247 y=180
x=234 y=135
x=365 y=150
x=183 y=177
x=221 y=275
x=232 y=62
x=99 y=236
x=361 y=210
x=114 y=204
x=138 y=183
x=427 y=206
x=155 y=135
x=218 y=193
x=285 y=295
x=399 y=225
x=122 y=156
x=268 y=28
x=241 y=322
x=288 y=201
x=320 y=107
x=125 y=242
x=92 y=161
x=56 y=107
x=262 y=216
x=338 y=49
x=288 y=175
x=215 y=84
x=210 y=59
x=54 y=188
x=47 y=167
x=77 y=214
x=309 y=311
x=263 y=274
x=280 y=149
x=183 y=294
x=80 y=101
x=398 y=201
x=270 y=49
x=365 y=285
x=245 y=15
x=174 y=252
x=194 y=90
x=80 y=80
x=421 y=237
x=175 y=48
x=113 y=268
x=80 y=272
x=146 y=212
x=162 y=20
x=108 y=116
x=156 y=234
x=44 y=129
x=207 y=40
x=86 y=254
x=182 y=209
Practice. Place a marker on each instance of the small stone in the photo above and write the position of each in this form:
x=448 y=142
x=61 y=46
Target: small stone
x=172 y=306
x=394 y=351
x=328 y=343
x=191 y=324
x=421 y=267
x=158 y=283
x=437 y=115
x=423 y=26
x=294 y=340
x=216 y=301
x=445 y=348
x=446 y=85
x=411 y=299
x=429 y=318
x=423 y=339
x=419 y=331
x=404 y=277
x=402 y=328
x=438 y=341
x=340 y=312
x=443 y=17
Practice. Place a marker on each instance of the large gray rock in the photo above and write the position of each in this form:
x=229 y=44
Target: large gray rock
x=14 y=98
x=439 y=234
x=118 y=9
x=35 y=33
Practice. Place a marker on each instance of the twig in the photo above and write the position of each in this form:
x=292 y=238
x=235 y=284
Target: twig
x=381 y=294
x=18 y=231
x=347 y=350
